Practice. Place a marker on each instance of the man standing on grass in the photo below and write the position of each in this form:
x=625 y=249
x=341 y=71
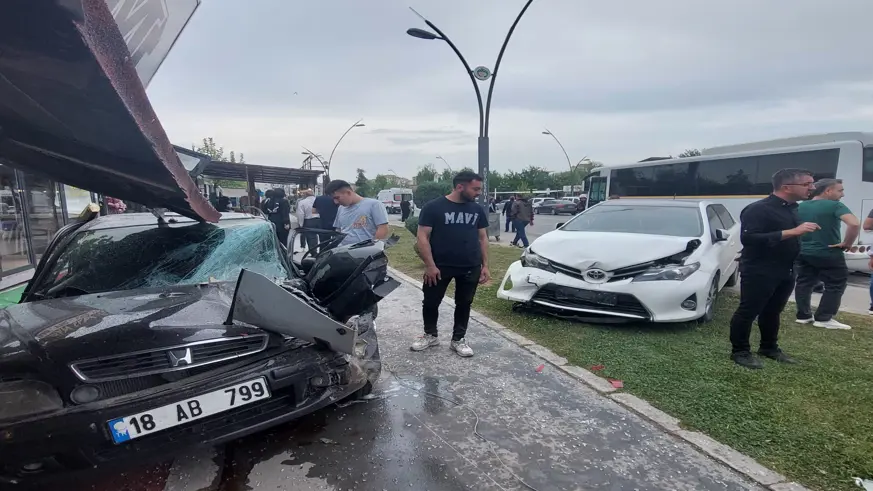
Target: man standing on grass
x=770 y=236
x=453 y=242
x=821 y=254
x=358 y=217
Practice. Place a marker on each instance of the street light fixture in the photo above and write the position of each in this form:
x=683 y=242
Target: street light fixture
x=480 y=73
x=569 y=162
x=357 y=124
x=447 y=164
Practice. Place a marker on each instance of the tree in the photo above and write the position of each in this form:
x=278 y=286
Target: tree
x=429 y=191
x=691 y=152
x=446 y=176
x=216 y=152
x=426 y=173
x=362 y=184
x=379 y=183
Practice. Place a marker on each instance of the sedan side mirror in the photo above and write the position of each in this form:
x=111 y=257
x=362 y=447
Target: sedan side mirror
x=559 y=225
x=721 y=235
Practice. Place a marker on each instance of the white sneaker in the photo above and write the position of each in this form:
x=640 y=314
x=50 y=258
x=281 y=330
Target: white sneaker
x=462 y=348
x=832 y=324
x=425 y=342
x=804 y=321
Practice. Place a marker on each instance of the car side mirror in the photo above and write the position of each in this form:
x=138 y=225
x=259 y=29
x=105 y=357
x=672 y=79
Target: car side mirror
x=721 y=235
x=559 y=225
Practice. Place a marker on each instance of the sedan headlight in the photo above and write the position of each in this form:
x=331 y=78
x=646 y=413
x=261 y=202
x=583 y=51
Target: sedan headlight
x=26 y=397
x=529 y=259
x=668 y=273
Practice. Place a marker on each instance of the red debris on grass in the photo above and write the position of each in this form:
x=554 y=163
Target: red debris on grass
x=541 y=368
x=618 y=384
x=597 y=368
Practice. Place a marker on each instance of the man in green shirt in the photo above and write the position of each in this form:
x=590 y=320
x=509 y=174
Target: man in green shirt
x=821 y=254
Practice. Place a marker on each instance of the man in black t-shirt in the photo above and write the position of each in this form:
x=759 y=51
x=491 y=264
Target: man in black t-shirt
x=453 y=242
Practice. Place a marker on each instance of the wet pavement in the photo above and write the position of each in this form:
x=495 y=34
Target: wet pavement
x=542 y=428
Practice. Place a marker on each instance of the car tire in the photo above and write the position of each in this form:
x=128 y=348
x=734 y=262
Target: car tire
x=711 y=302
x=536 y=211
x=732 y=281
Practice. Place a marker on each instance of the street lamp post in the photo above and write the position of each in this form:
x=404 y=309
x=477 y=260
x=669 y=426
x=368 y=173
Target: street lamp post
x=447 y=164
x=480 y=73
x=357 y=124
x=569 y=162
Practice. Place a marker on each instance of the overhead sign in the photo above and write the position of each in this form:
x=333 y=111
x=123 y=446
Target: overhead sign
x=150 y=28
x=482 y=73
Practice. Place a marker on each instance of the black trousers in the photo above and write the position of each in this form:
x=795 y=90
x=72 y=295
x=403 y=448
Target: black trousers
x=509 y=223
x=763 y=297
x=466 y=282
x=404 y=214
x=833 y=272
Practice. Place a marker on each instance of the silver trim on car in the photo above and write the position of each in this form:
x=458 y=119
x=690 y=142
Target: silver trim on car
x=174 y=362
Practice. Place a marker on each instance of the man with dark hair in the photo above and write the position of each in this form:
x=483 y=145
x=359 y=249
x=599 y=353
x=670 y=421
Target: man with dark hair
x=770 y=236
x=507 y=208
x=358 y=217
x=453 y=242
x=326 y=208
x=821 y=254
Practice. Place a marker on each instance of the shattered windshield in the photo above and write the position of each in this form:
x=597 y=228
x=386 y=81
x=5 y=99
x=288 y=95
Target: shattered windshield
x=151 y=256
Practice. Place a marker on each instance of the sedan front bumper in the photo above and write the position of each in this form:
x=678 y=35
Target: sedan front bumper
x=44 y=449
x=623 y=300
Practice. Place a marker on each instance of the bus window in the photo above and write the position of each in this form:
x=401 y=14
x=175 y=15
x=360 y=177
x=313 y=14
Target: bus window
x=822 y=164
x=867 y=167
x=726 y=177
x=596 y=191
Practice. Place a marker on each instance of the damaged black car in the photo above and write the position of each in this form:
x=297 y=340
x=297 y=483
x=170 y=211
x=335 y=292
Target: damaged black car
x=139 y=336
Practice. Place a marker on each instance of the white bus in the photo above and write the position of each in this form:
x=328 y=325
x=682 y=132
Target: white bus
x=740 y=174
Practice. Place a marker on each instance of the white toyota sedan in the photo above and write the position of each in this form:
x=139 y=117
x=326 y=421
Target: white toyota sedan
x=630 y=260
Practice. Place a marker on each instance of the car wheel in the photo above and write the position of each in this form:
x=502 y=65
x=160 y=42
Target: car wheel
x=732 y=281
x=711 y=300
x=536 y=211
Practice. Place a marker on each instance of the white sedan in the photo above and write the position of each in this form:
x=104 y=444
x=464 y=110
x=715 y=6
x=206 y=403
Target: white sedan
x=630 y=260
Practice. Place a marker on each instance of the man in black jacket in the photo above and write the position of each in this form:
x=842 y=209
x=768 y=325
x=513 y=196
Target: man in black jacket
x=771 y=241
x=507 y=207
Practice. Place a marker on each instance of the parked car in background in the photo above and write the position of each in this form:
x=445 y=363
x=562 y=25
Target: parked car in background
x=630 y=260
x=556 y=207
x=535 y=202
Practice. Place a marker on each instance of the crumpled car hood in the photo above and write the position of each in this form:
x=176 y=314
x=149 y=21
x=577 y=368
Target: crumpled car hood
x=63 y=330
x=606 y=250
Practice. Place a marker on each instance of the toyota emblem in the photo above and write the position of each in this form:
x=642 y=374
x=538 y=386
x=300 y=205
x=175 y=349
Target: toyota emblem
x=595 y=276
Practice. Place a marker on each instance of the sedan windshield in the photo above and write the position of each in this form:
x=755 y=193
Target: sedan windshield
x=149 y=256
x=650 y=220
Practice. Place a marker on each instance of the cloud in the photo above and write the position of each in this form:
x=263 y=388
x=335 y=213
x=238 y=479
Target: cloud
x=617 y=81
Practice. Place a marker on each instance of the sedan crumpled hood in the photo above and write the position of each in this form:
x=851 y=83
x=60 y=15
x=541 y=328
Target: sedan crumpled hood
x=606 y=250
x=59 y=331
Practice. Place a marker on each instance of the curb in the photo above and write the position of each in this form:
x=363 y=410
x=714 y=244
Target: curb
x=720 y=452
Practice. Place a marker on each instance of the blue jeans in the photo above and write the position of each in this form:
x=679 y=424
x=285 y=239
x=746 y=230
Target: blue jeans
x=520 y=233
x=509 y=224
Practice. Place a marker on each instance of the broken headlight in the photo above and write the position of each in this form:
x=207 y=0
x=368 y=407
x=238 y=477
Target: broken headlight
x=529 y=259
x=26 y=397
x=668 y=273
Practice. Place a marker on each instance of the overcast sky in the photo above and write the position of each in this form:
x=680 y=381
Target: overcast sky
x=617 y=81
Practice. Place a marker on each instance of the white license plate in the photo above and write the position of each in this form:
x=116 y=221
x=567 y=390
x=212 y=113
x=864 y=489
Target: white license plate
x=182 y=412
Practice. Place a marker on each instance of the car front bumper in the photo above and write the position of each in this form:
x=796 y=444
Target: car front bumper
x=654 y=301
x=77 y=439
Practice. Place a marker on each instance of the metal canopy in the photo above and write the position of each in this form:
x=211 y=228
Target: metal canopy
x=72 y=107
x=259 y=173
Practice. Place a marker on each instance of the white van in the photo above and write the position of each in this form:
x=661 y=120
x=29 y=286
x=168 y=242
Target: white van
x=391 y=198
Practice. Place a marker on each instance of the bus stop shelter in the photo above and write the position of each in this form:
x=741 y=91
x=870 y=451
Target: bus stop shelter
x=200 y=167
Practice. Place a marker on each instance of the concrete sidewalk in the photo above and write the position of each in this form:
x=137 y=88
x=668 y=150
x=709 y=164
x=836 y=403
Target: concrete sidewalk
x=541 y=426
